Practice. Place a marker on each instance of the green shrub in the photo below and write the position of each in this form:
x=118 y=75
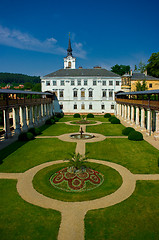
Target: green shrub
x=59 y=115
x=48 y=122
x=107 y=115
x=127 y=130
x=115 y=121
x=26 y=136
x=35 y=131
x=52 y=121
x=56 y=119
x=112 y=117
x=76 y=115
x=135 y=136
x=90 y=115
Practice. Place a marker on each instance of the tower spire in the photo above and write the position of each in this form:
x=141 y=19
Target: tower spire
x=69 y=50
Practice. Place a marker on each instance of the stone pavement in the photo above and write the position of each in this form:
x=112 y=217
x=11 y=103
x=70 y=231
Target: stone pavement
x=73 y=213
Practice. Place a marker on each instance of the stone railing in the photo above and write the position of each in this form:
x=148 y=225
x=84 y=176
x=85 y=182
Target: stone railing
x=140 y=103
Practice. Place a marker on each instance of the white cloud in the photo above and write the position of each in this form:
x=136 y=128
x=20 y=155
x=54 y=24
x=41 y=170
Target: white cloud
x=17 y=39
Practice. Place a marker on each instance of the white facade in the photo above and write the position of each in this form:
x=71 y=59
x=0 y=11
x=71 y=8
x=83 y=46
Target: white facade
x=83 y=94
x=69 y=62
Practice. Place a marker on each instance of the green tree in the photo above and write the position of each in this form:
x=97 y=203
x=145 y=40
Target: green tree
x=138 y=86
x=142 y=67
x=37 y=87
x=135 y=68
x=141 y=86
x=28 y=86
x=120 y=69
x=153 y=65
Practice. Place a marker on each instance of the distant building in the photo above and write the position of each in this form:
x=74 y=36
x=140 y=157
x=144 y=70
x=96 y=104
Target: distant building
x=129 y=81
x=82 y=90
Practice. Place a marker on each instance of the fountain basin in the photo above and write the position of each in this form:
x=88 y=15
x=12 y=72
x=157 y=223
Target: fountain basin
x=83 y=136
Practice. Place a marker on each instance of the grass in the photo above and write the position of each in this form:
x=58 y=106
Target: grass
x=58 y=129
x=138 y=157
x=112 y=182
x=107 y=129
x=66 y=119
x=135 y=218
x=19 y=157
x=21 y=220
x=96 y=118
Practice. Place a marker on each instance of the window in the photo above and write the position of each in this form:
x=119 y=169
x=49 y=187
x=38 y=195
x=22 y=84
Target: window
x=102 y=106
x=47 y=83
x=94 y=82
x=75 y=106
x=85 y=82
x=90 y=93
x=90 y=106
x=82 y=94
x=110 y=94
x=104 y=83
x=110 y=83
x=61 y=93
x=75 y=93
x=61 y=106
x=82 y=106
x=150 y=85
x=104 y=94
x=54 y=83
x=79 y=82
x=62 y=83
x=69 y=64
x=117 y=83
x=112 y=106
x=72 y=82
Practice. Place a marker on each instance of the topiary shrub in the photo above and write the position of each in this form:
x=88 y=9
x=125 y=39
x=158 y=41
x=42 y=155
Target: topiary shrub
x=59 y=115
x=135 y=136
x=52 y=121
x=76 y=115
x=90 y=115
x=115 y=121
x=26 y=136
x=127 y=130
x=107 y=115
x=56 y=119
x=112 y=117
x=35 y=131
x=48 y=122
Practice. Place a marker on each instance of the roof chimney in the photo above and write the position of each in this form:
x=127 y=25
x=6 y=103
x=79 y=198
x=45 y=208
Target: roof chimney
x=131 y=72
x=80 y=67
x=97 y=67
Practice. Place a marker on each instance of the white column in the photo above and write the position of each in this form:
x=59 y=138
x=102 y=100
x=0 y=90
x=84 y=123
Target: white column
x=137 y=116
x=23 y=118
x=35 y=115
x=142 y=118
x=132 y=114
x=149 y=121
x=31 y=117
x=16 y=120
x=122 y=111
x=157 y=122
x=40 y=118
x=128 y=115
x=50 y=106
x=125 y=112
x=27 y=115
x=6 y=123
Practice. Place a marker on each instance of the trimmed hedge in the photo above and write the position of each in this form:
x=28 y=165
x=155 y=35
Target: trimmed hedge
x=26 y=136
x=135 y=136
x=115 y=121
x=51 y=121
x=107 y=115
x=76 y=115
x=59 y=115
x=90 y=115
x=112 y=117
x=127 y=130
x=35 y=131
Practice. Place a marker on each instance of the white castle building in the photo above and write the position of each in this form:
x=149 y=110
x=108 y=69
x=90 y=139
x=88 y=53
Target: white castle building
x=82 y=90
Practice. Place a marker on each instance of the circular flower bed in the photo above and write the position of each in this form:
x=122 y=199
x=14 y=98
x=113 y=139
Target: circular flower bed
x=83 y=122
x=81 y=180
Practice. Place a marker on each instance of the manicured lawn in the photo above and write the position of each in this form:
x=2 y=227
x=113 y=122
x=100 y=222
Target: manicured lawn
x=107 y=129
x=42 y=184
x=137 y=218
x=66 y=119
x=96 y=118
x=138 y=157
x=58 y=129
x=21 y=220
x=19 y=157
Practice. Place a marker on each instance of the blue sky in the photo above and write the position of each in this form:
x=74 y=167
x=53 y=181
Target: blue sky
x=34 y=34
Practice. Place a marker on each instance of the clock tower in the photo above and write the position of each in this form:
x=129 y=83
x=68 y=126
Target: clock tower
x=69 y=61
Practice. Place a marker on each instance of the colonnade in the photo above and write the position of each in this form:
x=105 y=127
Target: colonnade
x=25 y=117
x=145 y=119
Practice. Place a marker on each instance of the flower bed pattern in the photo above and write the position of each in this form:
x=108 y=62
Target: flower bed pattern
x=78 y=181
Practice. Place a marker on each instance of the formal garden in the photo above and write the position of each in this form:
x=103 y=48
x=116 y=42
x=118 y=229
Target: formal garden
x=81 y=179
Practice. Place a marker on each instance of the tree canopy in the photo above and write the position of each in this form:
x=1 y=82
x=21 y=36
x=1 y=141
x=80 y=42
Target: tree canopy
x=141 y=86
x=120 y=69
x=153 y=65
x=18 y=78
